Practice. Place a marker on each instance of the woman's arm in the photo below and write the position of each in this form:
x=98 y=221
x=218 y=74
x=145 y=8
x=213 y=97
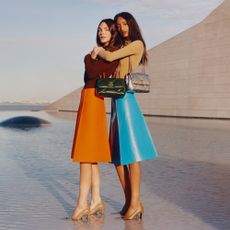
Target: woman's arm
x=131 y=49
x=95 y=52
x=95 y=68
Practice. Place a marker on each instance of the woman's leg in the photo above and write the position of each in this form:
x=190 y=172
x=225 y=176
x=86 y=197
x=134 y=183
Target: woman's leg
x=135 y=181
x=85 y=184
x=97 y=206
x=123 y=174
x=95 y=188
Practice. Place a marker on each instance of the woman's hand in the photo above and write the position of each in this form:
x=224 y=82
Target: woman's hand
x=95 y=52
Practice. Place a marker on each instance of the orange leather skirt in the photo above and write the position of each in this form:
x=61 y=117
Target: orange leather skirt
x=91 y=142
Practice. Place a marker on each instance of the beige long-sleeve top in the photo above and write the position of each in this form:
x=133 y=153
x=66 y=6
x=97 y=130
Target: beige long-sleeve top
x=129 y=55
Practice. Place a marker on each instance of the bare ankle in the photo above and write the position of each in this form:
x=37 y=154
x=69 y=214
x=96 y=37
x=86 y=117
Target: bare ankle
x=81 y=204
x=95 y=200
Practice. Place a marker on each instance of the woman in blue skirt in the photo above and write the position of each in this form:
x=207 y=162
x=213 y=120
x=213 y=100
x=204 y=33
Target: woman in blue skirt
x=130 y=139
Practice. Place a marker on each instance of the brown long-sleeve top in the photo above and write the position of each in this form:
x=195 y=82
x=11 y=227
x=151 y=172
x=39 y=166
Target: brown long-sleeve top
x=129 y=56
x=94 y=69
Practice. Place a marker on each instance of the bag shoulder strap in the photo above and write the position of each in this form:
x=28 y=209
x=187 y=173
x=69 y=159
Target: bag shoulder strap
x=130 y=67
x=117 y=71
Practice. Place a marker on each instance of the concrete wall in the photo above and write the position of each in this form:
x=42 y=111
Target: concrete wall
x=191 y=72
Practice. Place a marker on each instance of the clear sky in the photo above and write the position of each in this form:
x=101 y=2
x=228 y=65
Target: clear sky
x=43 y=42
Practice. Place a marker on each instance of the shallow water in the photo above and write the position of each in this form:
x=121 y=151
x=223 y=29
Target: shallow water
x=186 y=188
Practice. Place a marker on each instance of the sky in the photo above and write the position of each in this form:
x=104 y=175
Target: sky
x=43 y=42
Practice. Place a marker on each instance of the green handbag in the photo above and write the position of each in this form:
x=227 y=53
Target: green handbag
x=111 y=87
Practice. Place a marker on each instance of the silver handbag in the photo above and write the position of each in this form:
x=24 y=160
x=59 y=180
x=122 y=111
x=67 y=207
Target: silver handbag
x=138 y=82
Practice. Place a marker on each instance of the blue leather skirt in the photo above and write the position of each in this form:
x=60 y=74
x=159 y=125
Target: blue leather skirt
x=130 y=138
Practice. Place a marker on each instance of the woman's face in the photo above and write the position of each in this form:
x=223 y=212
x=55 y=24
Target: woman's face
x=122 y=27
x=104 y=33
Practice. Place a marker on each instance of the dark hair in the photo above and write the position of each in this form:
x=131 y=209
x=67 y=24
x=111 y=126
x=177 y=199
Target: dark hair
x=134 y=32
x=116 y=40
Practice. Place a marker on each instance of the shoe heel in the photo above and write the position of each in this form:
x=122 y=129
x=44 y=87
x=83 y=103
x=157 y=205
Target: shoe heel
x=84 y=218
x=140 y=215
x=137 y=214
x=99 y=212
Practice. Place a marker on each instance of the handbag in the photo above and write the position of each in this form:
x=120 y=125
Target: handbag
x=111 y=87
x=137 y=82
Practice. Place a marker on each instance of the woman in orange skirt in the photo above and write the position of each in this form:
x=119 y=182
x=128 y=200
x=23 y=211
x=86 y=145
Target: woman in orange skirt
x=90 y=143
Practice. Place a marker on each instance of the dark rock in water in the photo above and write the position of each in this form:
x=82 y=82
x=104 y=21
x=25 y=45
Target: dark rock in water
x=24 y=122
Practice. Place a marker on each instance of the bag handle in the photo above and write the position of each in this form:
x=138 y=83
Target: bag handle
x=130 y=66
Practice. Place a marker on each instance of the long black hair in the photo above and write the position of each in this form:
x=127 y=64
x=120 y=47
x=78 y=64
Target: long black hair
x=116 y=40
x=134 y=32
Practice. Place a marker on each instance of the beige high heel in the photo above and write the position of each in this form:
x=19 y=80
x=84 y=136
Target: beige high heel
x=82 y=216
x=98 y=209
x=137 y=213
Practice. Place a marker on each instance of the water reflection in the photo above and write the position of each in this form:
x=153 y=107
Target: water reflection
x=189 y=182
x=97 y=223
x=134 y=225
x=93 y=223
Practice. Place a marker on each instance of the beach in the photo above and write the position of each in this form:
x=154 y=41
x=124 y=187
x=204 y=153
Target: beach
x=187 y=187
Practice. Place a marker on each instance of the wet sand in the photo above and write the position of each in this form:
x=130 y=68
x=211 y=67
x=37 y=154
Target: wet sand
x=187 y=187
